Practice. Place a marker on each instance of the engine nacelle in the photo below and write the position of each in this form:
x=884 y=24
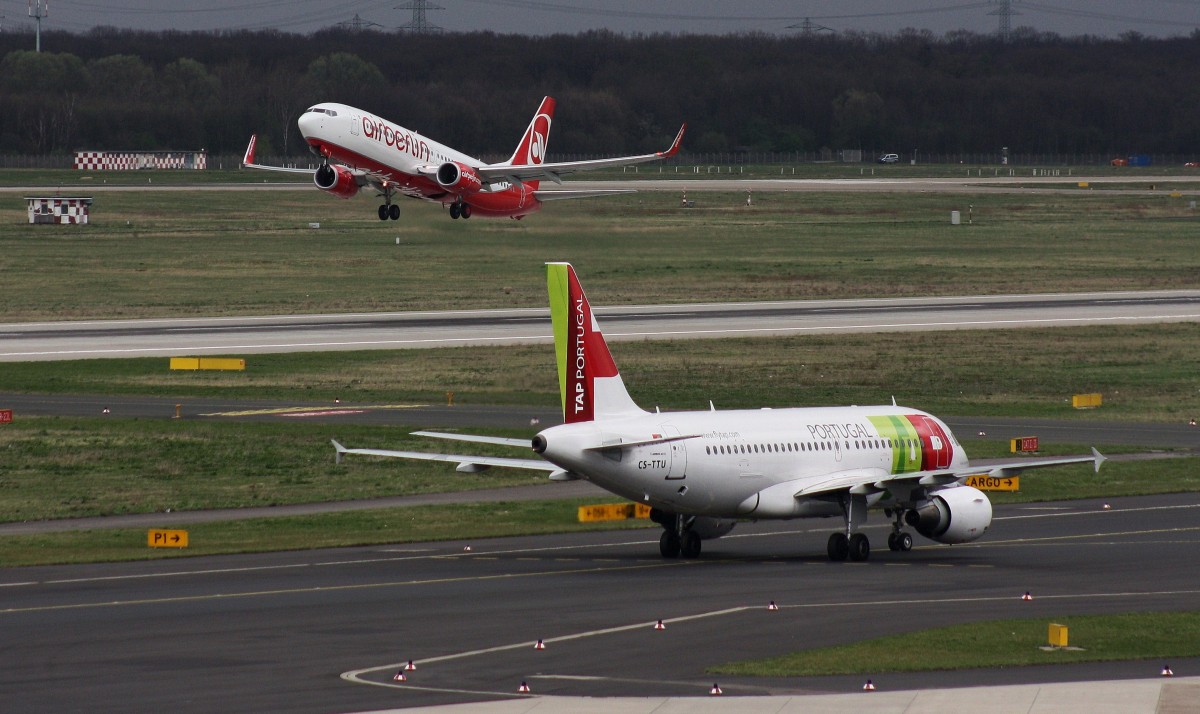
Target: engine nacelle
x=952 y=515
x=337 y=180
x=458 y=178
x=704 y=526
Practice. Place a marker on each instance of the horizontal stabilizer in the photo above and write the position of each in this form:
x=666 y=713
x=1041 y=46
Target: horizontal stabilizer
x=502 y=441
x=460 y=459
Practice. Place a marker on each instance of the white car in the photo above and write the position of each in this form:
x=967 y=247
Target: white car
x=889 y=158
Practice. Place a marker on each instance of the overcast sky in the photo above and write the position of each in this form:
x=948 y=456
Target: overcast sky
x=1066 y=17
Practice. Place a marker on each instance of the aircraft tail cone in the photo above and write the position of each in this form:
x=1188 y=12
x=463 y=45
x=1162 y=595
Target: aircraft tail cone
x=523 y=689
x=1027 y=597
x=1166 y=671
x=659 y=625
x=540 y=645
x=716 y=690
x=400 y=677
x=772 y=606
x=869 y=686
x=410 y=667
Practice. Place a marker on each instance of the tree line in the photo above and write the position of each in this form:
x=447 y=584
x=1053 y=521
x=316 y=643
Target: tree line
x=953 y=93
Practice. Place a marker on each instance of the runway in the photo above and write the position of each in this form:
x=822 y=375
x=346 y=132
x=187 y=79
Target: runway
x=46 y=341
x=323 y=631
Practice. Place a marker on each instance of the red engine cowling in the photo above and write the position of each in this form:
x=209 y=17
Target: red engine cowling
x=337 y=180
x=458 y=178
x=952 y=515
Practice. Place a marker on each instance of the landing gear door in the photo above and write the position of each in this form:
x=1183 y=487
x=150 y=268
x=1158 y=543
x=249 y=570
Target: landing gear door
x=678 y=452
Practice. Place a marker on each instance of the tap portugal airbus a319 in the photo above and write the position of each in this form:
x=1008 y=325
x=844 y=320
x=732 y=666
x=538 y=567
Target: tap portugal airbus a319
x=702 y=471
x=360 y=150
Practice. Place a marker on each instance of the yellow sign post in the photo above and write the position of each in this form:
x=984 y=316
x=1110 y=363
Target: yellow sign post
x=158 y=538
x=984 y=482
x=612 y=512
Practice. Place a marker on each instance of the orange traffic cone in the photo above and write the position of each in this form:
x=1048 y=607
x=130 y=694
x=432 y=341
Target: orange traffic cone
x=659 y=625
x=716 y=690
x=540 y=645
x=523 y=689
x=772 y=606
x=869 y=686
x=400 y=677
x=410 y=667
x=1107 y=507
x=1027 y=597
x=1167 y=671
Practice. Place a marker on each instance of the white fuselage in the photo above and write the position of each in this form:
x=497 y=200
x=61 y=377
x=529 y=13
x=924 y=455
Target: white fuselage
x=732 y=459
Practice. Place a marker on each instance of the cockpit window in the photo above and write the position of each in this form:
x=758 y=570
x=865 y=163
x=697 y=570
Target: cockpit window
x=319 y=110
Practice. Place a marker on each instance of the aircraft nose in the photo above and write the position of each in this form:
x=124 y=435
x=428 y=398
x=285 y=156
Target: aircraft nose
x=308 y=123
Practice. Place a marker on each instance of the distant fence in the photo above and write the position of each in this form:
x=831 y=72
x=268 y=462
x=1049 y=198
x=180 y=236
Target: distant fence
x=736 y=158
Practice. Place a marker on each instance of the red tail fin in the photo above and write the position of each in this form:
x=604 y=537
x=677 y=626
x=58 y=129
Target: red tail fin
x=532 y=147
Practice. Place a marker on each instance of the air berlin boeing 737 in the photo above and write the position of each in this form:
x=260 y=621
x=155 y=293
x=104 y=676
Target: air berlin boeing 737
x=359 y=149
x=702 y=471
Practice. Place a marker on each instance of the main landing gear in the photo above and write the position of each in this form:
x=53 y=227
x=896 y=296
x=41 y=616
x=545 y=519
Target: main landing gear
x=898 y=540
x=389 y=210
x=678 y=539
x=460 y=209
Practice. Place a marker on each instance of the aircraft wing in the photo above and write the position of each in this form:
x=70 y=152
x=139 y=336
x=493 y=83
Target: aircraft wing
x=494 y=173
x=866 y=481
x=466 y=463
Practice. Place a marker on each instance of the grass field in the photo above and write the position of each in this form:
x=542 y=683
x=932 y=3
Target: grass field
x=999 y=643
x=182 y=253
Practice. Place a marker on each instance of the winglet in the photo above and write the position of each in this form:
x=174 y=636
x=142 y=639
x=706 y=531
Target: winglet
x=249 y=157
x=1099 y=457
x=675 y=144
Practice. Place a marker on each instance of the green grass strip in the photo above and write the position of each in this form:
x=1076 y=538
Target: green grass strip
x=999 y=643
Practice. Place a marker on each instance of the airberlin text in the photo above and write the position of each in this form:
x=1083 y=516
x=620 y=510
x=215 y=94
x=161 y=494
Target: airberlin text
x=403 y=140
x=580 y=357
x=843 y=431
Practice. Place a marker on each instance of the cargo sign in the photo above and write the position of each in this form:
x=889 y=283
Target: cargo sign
x=157 y=538
x=991 y=483
x=612 y=512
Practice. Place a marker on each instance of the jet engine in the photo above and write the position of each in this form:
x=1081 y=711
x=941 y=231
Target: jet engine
x=952 y=515
x=337 y=180
x=458 y=178
x=704 y=526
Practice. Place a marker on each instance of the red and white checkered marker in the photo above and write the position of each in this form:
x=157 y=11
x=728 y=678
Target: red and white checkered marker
x=410 y=667
x=716 y=690
x=1027 y=597
x=659 y=625
x=540 y=645
x=523 y=689
x=400 y=677
x=772 y=606
x=869 y=686
x=1167 y=671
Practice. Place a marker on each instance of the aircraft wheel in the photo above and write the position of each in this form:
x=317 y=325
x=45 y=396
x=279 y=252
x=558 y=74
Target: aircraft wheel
x=839 y=547
x=893 y=541
x=668 y=545
x=860 y=547
x=465 y=211
x=394 y=212
x=904 y=542
x=383 y=212
x=454 y=211
x=689 y=546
